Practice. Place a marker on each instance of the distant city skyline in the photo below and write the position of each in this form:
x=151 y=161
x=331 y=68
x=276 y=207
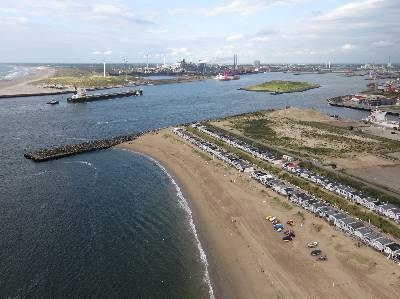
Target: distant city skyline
x=274 y=31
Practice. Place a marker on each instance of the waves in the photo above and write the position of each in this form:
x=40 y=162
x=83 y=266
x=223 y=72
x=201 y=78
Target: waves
x=87 y=164
x=12 y=72
x=185 y=206
x=100 y=123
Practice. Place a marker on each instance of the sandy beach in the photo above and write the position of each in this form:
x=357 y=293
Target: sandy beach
x=247 y=258
x=22 y=85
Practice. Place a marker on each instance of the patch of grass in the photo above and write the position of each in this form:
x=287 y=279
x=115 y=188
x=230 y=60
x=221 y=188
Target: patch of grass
x=283 y=204
x=281 y=86
x=317 y=227
x=202 y=155
x=299 y=215
x=368 y=262
x=81 y=79
x=172 y=138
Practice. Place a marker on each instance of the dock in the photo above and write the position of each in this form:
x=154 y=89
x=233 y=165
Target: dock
x=74 y=149
x=337 y=102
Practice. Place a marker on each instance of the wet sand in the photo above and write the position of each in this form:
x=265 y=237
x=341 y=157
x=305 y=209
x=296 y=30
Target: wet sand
x=22 y=85
x=247 y=258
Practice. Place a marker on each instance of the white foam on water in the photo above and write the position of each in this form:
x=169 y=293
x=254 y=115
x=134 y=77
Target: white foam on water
x=111 y=122
x=41 y=172
x=17 y=71
x=185 y=206
x=87 y=164
x=102 y=122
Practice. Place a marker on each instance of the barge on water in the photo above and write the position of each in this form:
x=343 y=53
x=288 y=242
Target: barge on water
x=80 y=96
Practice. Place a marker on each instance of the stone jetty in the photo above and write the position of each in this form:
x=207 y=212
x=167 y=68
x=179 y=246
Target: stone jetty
x=89 y=146
x=74 y=149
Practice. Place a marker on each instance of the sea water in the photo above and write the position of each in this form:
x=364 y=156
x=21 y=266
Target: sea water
x=115 y=224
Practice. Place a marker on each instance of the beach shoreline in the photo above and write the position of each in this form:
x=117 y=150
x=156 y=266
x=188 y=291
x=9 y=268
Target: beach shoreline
x=246 y=258
x=23 y=84
x=200 y=239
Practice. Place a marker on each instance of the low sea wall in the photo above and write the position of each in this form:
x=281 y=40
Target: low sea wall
x=54 y=153
x=74 y=149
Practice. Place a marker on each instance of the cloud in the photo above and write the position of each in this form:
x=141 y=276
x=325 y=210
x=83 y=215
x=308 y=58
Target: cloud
x=107 y=52
x=229 y=47
x=352 y=9
x=382 y=43
x=267 y=32
x=245 y=7
x=261 y=39
x=234 y=37
x=14 y=21
x=108 y=9
x=178 y=51
x=347 y=47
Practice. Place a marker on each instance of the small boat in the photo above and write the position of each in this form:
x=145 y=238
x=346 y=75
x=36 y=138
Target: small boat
x=53 y=102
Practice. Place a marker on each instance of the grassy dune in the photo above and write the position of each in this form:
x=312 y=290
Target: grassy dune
x=83 y=78
x=279 y=86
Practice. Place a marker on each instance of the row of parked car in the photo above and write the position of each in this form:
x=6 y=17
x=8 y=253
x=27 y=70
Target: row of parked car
x=373 y=204
x=317 y=206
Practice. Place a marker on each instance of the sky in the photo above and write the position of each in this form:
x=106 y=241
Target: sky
x=272 y=31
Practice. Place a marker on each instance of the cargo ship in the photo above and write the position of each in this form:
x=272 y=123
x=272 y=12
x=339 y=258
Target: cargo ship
x=80 y=96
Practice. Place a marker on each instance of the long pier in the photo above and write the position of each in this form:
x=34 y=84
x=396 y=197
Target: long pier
x=74 y=149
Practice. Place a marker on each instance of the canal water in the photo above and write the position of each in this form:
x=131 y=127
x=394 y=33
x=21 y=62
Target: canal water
x=112 y=223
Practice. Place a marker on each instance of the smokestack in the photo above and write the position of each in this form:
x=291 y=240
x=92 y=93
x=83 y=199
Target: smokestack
x=104 y=68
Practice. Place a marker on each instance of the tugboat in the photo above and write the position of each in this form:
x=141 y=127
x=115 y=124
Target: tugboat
x=223 y=77
x=227 y=76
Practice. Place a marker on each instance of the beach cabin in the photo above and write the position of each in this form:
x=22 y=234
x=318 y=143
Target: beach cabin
x=362 y=232
x=392 y=249
x=257 y=174
x=379 y=244
x=394 y=213
x=335 y=218
x=329 y=213
x=370 y=203
x=384 y=208
x=397 y=215
x=343 y=223
x=303 y=197
x=353 y=227
x=370 y=238
x=314 y=208
x=321 y=211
